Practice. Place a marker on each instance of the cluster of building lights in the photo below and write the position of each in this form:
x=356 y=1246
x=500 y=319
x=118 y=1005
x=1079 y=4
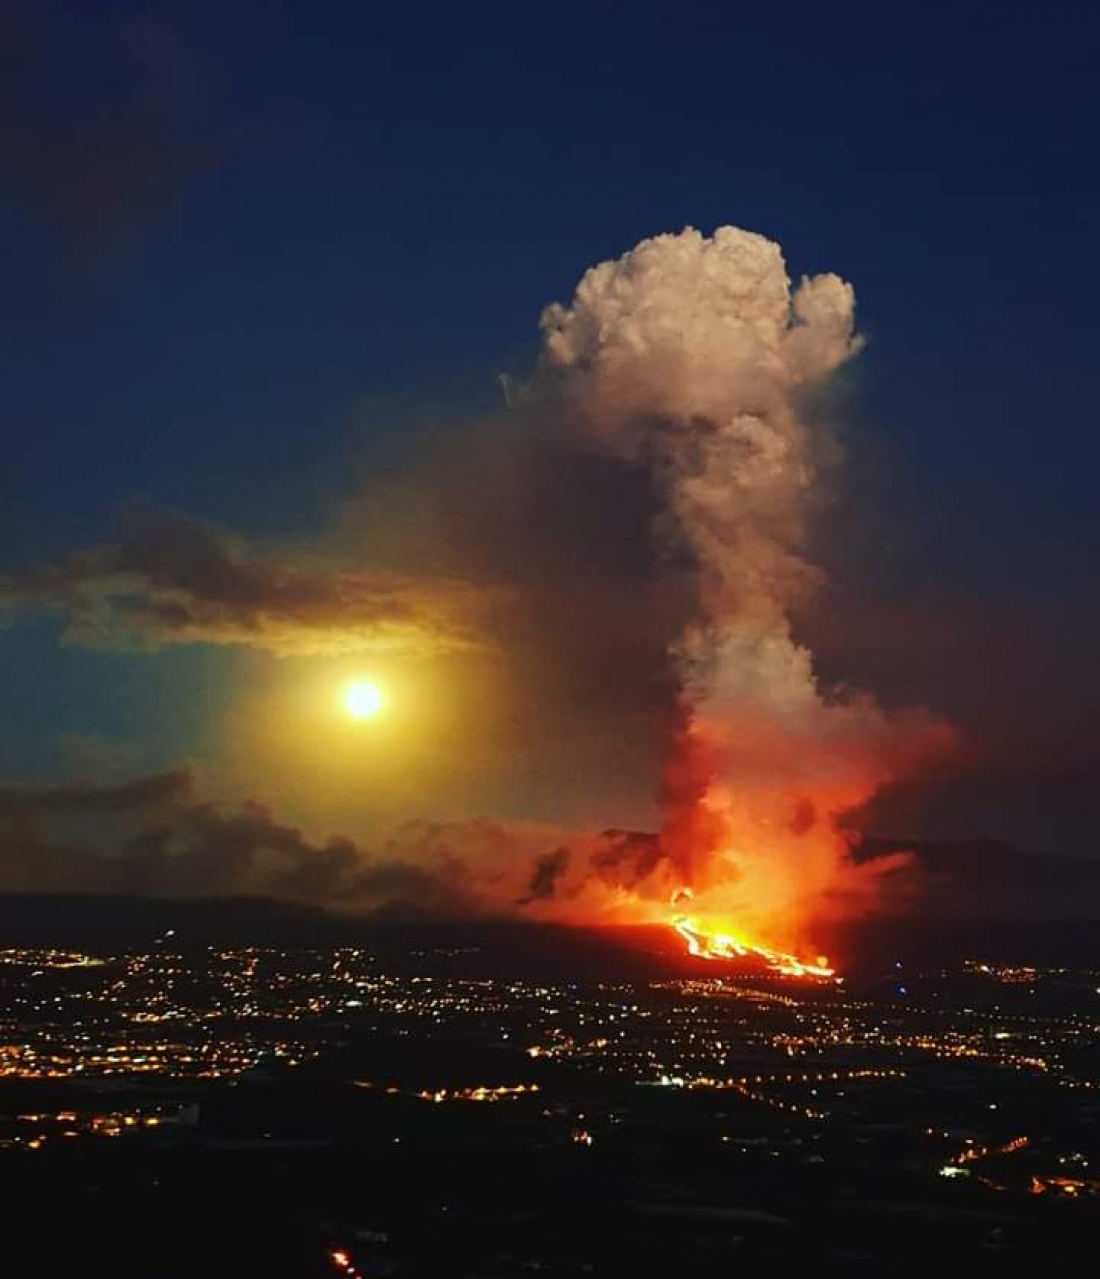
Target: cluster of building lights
x=222 y=1013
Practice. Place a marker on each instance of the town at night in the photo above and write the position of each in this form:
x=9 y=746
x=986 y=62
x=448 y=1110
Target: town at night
x=703 y=1114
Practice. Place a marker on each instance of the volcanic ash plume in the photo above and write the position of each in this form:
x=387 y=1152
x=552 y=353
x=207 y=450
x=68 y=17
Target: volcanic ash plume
x=694 y=356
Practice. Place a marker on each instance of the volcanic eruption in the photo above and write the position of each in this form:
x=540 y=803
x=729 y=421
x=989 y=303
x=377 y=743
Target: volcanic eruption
x=694 y=357
x=691 y=371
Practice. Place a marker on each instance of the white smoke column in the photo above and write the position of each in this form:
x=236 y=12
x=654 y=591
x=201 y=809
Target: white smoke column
x=693 y=355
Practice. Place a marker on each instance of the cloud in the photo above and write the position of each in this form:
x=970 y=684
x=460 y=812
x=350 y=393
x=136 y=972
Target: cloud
x=171 y=580
x=154 y=791
x=155 y=836
x=168 y=842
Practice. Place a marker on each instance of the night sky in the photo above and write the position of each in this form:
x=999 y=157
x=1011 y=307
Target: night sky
x=273 y=275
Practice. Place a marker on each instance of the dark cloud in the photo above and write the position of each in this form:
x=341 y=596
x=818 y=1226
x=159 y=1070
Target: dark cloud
x=166 y=842
x=549 y=868
x=158 y=790
x=172 y=580
x=627 y=857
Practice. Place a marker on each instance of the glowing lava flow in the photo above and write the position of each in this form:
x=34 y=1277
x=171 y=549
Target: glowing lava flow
x=706 y=945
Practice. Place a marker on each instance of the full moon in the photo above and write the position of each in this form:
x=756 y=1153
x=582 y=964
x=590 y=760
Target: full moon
x=363 y=701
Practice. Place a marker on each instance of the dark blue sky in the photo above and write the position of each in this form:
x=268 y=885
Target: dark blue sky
x=248 y=246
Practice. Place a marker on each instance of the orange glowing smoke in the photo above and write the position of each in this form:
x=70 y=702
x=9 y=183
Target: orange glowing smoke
x=754 y=835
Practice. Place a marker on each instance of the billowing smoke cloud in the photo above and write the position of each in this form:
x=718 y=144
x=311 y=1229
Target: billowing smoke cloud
x=172 y=580
x=694 y=355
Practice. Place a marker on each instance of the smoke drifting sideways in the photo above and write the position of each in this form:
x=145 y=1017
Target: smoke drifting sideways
x=693 y=356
